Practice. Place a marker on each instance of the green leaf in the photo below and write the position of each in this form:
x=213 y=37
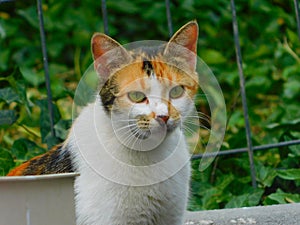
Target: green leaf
x=256 y=82
x=246 y=200
x=281 y=197
x=17 y=88
x=295 y=149
x=45 y=118
x=290 y=71
x=24 y=149
x=6 y=161
x=62 y=128
x=30 y=14
x=211 y=56
x=292 y=35
x=9 y=95
x=32 y=77
x=255 y=197
x=286 y=124
x=289 y=174
x=265 y=175
x=52 y=141
x=4 y=57
x=224 y=181
x=291 y=88
x=210 y=197
x=237 y=201
x=8 y=117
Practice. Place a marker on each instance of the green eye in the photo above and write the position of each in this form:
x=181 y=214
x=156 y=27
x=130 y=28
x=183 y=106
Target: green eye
x=176 y=92
x=137 y=96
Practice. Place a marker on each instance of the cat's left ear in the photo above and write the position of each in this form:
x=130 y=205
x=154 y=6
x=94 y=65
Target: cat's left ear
x=185 y=37
x=108 y=54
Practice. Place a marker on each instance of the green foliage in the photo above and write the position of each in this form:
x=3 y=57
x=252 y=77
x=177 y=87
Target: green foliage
x=6 y=161
x=270 y=48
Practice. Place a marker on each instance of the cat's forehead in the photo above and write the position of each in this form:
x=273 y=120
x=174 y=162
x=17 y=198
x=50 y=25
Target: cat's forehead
x=146 y=69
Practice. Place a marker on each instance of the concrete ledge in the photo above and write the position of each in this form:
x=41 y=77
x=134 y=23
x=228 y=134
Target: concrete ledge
x=287 y=214
x=49 y=200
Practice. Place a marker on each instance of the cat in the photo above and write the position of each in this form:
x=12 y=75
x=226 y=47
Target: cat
x=128 y=146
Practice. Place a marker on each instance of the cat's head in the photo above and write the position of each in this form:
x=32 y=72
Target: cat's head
x=148 y=90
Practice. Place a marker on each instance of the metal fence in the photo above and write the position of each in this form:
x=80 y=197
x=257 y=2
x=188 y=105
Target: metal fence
x=250 y=148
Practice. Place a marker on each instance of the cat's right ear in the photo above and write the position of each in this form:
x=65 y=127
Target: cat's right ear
x=108 y=54
x=183 y=45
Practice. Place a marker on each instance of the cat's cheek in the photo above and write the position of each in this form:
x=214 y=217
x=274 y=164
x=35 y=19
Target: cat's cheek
x=183 y=106
x=172 y=124
x=121 y=103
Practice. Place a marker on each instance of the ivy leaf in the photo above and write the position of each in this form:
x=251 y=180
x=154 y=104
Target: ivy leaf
x=281 y=197
x=4 y=57
x=237 y=201
x=245 y=200
x=9 y=95
x=32 y=77
x=45 y=118
x=6 y=161
x=16 y=92
x=211 y=56
x=291 y=88
x=62 y=128
x=24 y=149
x=30 y=15
x=265 y=175
x=289 y=174
x=8 y=117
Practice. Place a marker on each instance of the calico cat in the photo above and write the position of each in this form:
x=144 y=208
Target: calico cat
x=128 y=146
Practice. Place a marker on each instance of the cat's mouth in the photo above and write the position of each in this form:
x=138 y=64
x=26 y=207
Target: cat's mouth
x=143 y=126
x=140 y=127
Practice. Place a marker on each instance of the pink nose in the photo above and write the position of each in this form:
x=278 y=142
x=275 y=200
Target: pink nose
x=163 y=117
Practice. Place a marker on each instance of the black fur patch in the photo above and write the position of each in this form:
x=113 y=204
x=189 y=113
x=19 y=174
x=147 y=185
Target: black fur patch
x=107 y=94
x=57 y=160
x=147 y=67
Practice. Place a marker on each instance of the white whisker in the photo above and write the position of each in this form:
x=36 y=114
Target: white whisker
x=200 y=117
x=124 y=127
x=129 y=120
x=196 y=124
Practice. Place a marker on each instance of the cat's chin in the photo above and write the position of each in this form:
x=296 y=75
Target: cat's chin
x=141 y=134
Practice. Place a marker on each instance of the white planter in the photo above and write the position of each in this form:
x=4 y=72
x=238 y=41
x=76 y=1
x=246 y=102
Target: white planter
x=37 y=200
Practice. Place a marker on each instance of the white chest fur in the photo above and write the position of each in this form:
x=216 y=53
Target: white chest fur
x=117 y=186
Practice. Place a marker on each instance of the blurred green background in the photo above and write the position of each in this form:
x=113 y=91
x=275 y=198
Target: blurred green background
x=271 y=54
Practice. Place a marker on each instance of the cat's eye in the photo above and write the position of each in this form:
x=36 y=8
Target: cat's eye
x=176 y=92
x=137 y=96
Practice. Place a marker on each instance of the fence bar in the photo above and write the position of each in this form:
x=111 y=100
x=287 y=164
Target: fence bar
x=243 y=150
x=169 y=18
x=243 y=92
x=104 y=16
x=46 y=66
x=296 y=3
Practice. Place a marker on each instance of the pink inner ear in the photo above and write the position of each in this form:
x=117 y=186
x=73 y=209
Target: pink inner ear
x=192 y=37
x=100 y=45
x=97 y=50
x=108 y=54
x=187 y=37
